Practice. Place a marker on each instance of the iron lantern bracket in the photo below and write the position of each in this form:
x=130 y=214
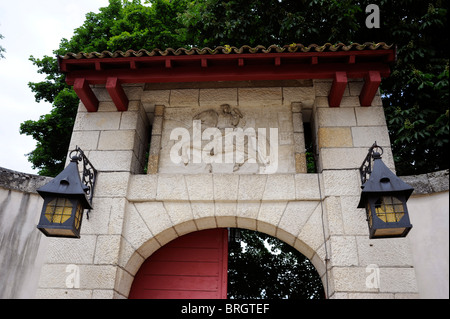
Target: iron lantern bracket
x=89 y=174
x=366 y=167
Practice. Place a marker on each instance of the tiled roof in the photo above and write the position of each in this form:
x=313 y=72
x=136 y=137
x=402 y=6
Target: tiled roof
x=294 y=47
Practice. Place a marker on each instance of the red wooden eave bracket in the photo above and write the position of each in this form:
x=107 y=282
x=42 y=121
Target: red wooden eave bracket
x=339 y=66
x=84 y=92
x=371 y=83
x=117 y=94
x=337 y=89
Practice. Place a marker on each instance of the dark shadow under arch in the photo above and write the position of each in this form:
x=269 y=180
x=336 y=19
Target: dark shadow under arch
x=263 y=267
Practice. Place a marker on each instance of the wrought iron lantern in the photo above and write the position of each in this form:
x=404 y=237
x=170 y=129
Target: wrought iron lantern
x=384 y=196
x=66 y=197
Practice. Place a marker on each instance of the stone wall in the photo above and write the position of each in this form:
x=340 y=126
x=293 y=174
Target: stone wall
x=135 y=214
x=22 y=246
x=429 y=237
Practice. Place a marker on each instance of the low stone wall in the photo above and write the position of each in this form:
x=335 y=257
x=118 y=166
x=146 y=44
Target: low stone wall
x=22 y=182
x=429 y=213
x=22 y=246
x=423 y=184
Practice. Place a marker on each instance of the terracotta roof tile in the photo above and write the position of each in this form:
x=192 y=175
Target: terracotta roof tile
x=294 y=47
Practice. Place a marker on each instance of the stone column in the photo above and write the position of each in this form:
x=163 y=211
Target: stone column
x=299 y=138
x=155 y=145
x=115 y=143
x=357 y=266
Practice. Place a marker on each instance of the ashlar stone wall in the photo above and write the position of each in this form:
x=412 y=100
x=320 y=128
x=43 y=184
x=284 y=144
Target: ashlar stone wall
x=135 y=213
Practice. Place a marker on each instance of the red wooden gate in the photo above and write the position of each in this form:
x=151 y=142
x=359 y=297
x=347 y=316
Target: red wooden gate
x=193 y=266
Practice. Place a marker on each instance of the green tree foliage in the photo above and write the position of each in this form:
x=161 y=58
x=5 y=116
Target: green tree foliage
x=254 y=22
x=415 y=96
x=122 y=25
x=263 y=267
x=52 y=131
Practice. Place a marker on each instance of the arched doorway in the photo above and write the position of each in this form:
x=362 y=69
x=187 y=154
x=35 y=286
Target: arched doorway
x=205 y=265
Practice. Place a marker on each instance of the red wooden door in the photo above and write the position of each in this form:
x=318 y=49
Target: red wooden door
x=193 y=266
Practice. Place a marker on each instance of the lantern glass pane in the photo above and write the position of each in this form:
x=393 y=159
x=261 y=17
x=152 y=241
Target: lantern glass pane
x=389 y=209
x=369 y=214
x=60 y=232
x=58 y=210
x=78 y=215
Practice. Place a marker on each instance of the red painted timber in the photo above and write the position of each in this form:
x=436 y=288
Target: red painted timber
x=225 y=67
x=117 y=94
x=377 y=56
x=193 y=266
x=337 y=89
x=371 y=83
x=368 y=64
x=227 y=73
x=84 y=92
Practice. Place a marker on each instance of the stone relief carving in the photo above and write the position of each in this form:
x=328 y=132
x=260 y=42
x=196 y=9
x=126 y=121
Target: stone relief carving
x=227 y=127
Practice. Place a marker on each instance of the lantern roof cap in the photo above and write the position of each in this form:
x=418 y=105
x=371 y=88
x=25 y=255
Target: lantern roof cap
x=67 y=184
x=383 y=181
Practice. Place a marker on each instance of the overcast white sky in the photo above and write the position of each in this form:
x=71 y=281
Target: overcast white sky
x=35 y=28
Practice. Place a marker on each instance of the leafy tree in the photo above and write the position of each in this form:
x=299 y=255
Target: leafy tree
x=263 y=267
x=416 y=95
x=255 y=22
x=122 y=25
x=52 y=131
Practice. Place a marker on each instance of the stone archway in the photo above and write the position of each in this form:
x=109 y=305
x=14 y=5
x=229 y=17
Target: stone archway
x=163 y=207
x=152 y=246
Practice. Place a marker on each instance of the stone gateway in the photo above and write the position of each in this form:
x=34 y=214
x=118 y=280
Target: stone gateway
x=155 y=186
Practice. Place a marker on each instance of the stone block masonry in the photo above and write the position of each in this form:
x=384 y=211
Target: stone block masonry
x=135 y=214
x=22 y=245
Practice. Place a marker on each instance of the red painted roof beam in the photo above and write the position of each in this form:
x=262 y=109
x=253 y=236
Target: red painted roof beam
x=86 y=95
x=371 y=83
x=370 y=65
x=117 y=93
x=337 y=89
